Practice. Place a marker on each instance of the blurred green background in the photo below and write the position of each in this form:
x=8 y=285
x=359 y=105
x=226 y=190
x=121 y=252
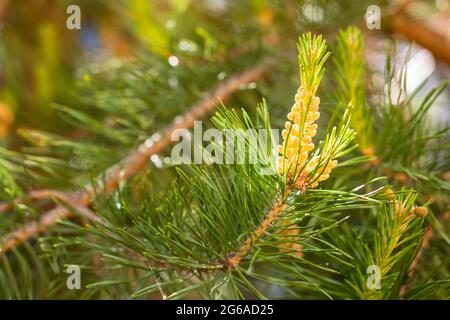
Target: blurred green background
x=40 y=58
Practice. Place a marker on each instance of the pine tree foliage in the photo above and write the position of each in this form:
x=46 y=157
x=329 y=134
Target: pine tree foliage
x=335 y=205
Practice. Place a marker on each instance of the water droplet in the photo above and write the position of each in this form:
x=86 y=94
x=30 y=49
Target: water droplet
x=170 y=24
x=173 y=61
x=187 y=45
x=251 y=85
x=221 y=75
x=155 y=137
x=156 y=161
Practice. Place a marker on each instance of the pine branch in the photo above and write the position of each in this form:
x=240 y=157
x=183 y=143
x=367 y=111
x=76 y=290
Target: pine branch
x=270 y=218
x=426 y=241
x=189 y=230
x=351 y=91
x=396 y=162
x=136 y=161
x=397 y=234
x=300 y=170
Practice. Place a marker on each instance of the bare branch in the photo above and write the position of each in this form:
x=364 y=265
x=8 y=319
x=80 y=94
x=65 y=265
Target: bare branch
x=272 y=216
x=416 y=31
x=35 y=195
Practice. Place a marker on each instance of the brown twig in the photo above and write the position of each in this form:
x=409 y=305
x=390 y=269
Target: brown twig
x=35 y=195
x=416 y=31
x=135 y=161
x=274 y=213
